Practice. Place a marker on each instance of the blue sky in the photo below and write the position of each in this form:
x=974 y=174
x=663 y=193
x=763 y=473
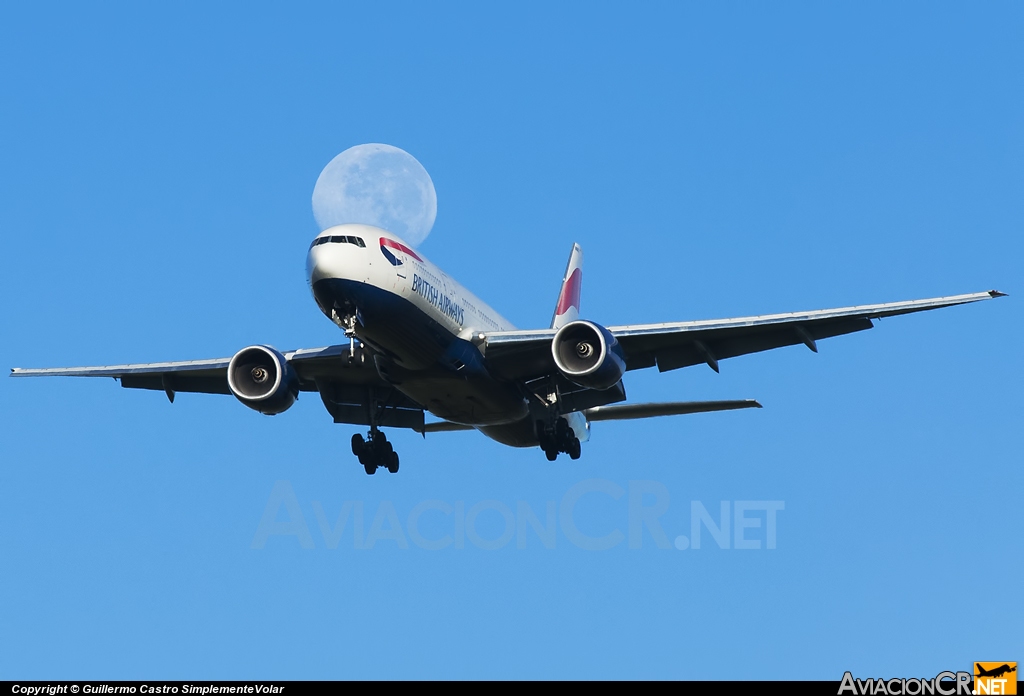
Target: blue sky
x=712 y=161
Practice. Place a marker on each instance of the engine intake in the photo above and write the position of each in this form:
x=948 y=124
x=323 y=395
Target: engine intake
x=588 y=355
x=262 y=379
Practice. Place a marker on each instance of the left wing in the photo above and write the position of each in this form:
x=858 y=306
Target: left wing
x=527 y=354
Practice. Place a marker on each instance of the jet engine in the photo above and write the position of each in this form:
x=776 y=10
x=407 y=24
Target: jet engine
x=588 y=355
x=262 y=379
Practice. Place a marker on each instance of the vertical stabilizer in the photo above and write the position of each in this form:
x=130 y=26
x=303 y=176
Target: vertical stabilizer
x=568 y=307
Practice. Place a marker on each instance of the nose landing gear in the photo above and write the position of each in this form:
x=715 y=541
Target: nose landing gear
x=375 y=452
x=559 y=438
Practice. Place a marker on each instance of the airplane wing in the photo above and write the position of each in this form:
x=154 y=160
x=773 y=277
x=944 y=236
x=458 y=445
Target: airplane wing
x=347 y=387
x=527 y=354
x=211 y=376
x=203 y=376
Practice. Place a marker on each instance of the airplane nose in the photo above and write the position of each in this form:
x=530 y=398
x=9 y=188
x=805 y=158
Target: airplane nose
x=333 y=254
x=321 y=260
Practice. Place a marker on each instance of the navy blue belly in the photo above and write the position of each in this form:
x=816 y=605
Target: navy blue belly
x=421 y=358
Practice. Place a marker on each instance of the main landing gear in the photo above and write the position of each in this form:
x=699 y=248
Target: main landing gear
x=560 y=438
x=374 y=452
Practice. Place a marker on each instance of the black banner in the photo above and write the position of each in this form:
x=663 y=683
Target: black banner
x=291 y=688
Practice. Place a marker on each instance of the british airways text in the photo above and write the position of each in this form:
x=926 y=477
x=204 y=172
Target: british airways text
x=437 y=298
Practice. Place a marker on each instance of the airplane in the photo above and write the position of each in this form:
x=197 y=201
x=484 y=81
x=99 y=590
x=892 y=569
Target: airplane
x=420 y=342
x=996 y=672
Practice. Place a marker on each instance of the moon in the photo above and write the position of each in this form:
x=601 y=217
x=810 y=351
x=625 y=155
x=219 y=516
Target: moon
x=380 y=185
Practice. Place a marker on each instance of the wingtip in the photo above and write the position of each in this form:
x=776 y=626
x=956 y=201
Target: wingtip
x=996 y=293
x=755 y=404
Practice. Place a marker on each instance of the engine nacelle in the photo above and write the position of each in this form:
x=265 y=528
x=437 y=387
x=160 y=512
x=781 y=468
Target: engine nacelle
x=262 y=379
x=588 y=355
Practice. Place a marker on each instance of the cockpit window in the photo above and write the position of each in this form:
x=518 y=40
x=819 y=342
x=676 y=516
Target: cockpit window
x=338 y=239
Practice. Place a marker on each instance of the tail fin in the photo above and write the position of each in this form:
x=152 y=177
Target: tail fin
x=568 y=307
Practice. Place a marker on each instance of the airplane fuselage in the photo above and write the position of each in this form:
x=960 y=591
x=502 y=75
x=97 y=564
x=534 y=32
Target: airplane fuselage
x=423 y=326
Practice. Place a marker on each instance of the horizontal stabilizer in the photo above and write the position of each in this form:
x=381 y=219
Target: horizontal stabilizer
x=444 y=427
x=626 y=412
x=671 y=408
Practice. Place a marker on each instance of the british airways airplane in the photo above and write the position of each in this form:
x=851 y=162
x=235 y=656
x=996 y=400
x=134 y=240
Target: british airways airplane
x=418 y=341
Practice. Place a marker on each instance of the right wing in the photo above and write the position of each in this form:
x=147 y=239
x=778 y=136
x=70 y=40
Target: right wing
x=348 y=388
x=203 y=376
x=211 y=376
x=527 y=354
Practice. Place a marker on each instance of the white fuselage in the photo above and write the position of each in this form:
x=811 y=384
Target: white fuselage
x=421 y=321
x=415 y=278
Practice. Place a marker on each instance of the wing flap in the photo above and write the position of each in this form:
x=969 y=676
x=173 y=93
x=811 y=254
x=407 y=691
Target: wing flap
x=352 y=403
x=173 y=382
x=715 y=346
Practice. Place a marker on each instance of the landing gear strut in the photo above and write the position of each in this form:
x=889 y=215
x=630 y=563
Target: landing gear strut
x=559 y=438
x=375 y=451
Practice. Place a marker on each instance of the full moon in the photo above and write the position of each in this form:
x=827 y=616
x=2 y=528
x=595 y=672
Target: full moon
x=380 y=185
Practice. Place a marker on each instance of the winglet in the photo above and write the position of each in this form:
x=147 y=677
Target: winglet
x=568 y=307
x=996 y=293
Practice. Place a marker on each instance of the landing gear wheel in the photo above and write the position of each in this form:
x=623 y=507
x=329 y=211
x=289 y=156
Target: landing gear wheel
x=574 y=448
x=358 y=445
x=375 y=452
x=551 y=454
